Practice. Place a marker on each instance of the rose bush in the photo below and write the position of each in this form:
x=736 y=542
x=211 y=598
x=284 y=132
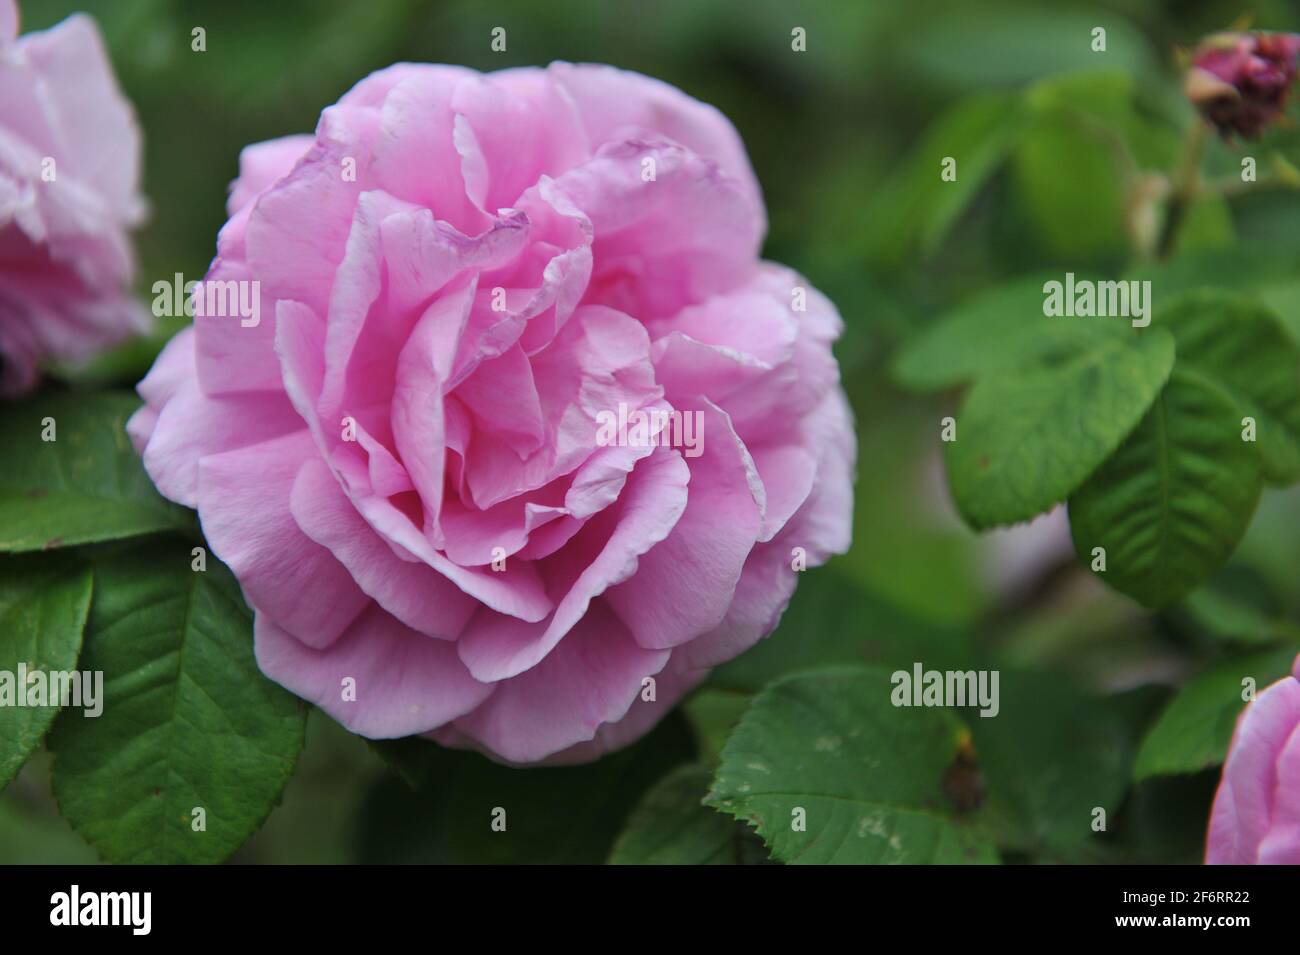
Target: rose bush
x=1256 y=815
x=69 y=179
x=461 y=273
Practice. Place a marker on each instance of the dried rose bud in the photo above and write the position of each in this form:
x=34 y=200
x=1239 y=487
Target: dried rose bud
x=1239 y=81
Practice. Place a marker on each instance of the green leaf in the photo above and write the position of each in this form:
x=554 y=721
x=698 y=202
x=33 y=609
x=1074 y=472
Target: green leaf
x=998 y=328
x=1079 y=178
x=1052 y=754
x=977 y=133
x=1243 y=347
x=672 y=826
x=1238 y=605
x=1103 y=102
x=1029 y=439
x=1069 y=180
x=87 y=485
x=868 y=775
x=1283 y=298
x=1171 y=504
x=188 y=721
x=1193 y=732
x=442 y=808
x=918 y=205
x=1246 y=266
x=43 y=606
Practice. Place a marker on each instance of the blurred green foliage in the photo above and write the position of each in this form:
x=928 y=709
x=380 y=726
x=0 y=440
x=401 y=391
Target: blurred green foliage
x=846 y=140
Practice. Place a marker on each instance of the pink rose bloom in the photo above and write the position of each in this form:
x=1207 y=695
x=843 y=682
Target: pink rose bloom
x=462 y=278
x=69 y=175
x=1256 y=815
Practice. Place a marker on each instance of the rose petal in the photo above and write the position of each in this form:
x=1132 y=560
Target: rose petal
x=591 y=678
x=404 y=682
x=244 y=506
x=414 y=593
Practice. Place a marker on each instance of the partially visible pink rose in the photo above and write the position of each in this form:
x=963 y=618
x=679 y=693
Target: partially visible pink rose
x=1256 y=815
x=461 y=276
x=69 y=174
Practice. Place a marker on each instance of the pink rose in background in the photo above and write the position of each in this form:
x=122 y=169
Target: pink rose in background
x=69 y=177
x=1256 y=815
x=398 y=450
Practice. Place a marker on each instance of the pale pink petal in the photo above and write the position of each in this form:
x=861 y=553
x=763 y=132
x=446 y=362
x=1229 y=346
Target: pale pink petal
x=591 y=678
x=1281 y=846
x=517 y=591
x=179 y=424
x=665 y=242
x=651 y=505
x=233 y=354
x=98 y=140
x=261 y=165
x=415 y=137
x=404 y=682
x=618 y=104
x=511 y=129
x=820 y=528
x=423 y=254
x=297 y=232
x=244 y=507
x=601 y=359
x=422 y=368
x=684 y=585
x=671 y=684
x=414 y=593
x=1248 y=796
x=8 y=20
